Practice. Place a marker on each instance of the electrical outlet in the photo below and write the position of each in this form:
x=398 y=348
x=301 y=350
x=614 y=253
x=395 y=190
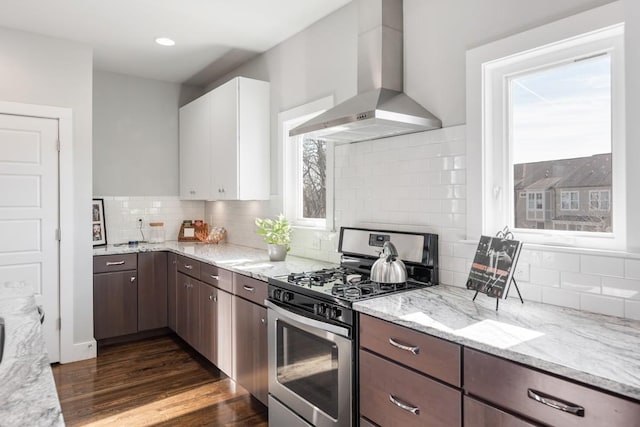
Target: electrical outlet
x=314 y=243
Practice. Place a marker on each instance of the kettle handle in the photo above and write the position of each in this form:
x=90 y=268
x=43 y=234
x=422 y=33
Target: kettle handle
x=390 y=251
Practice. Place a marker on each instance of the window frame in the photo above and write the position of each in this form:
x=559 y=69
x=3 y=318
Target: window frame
x=600 y=200
x=292 y=165
x=490 y=182
x=570 y=193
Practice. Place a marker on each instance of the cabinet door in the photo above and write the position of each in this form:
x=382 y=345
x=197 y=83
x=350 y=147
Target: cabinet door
x=195 y=137
x=224 y=334
x=115 y=304
x=251 y=347
x=152 y=290
x=478 y=414
x=187 y=325
x=224 y=141
x=208 y=299
x=172 y=281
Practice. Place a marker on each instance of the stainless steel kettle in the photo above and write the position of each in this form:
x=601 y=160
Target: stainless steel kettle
x=389 y=268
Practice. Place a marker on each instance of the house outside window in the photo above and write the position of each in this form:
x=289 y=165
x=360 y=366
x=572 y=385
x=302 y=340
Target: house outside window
x=569 y=200
x=599 y=200
x=545 y=117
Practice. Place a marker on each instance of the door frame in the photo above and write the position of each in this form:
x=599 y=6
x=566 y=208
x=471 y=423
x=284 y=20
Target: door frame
x=66 y=212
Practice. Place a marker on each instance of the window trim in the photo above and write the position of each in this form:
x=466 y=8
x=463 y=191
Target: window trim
x=570 y=192
x=291 y=196
x=493 y=201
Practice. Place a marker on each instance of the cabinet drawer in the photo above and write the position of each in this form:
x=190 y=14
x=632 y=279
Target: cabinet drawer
x=218 y=277
x=433 y=356
x=391 y=395
x=252 y=289
x=189 y=266
x=478 y=414
x=520 y=389
x=109 y=263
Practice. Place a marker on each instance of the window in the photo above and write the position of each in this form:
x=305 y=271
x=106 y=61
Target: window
x=569 y=200
x=545 y=112
x=307 y=169
x=599 y=200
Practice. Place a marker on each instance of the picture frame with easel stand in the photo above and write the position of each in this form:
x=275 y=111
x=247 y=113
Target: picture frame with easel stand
x=494 y=265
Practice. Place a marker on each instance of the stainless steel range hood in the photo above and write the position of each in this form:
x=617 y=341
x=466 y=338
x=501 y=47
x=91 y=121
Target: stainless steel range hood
x=380 y=109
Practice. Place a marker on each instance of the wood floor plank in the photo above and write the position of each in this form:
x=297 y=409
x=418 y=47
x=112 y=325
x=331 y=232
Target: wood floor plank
x=156 y=382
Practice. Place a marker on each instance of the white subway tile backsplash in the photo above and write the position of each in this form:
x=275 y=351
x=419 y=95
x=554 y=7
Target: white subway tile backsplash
x=632 y=309
x=561 y=261
x=624 y=288
x=528 y=291
x=580 y=282
x=561 y=297
x=544 y=276
x=602 y=304
x=632 y=268
x=602 y=265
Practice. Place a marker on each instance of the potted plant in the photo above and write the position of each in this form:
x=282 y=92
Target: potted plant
x=277 y=234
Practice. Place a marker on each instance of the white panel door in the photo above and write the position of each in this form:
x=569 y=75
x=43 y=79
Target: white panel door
x=224 y=141
x=29 y=214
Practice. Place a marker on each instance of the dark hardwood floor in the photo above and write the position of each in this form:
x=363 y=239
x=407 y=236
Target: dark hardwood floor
x=155 y=382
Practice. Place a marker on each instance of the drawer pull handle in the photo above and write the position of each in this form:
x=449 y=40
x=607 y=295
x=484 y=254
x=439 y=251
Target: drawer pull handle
x=555 y=403
x=110 y=263
x=212 y=298
x=404 y=406
x=410 y=348
x=214 y=277
x=132 y=279
x=188 y=266
x=249 y=288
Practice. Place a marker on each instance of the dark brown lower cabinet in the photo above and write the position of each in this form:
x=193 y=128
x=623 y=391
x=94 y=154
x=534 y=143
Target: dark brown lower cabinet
x=172 y=281
x=478 y=414
x=208 y=301
x=250 y=353
x=187 y=324
x=152 y=290
x=115 y=304
x=392 y=395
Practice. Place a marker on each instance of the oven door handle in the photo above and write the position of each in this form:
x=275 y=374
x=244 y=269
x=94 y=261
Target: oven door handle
x=282 y=312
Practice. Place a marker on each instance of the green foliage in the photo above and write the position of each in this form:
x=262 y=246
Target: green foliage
x=276 y=232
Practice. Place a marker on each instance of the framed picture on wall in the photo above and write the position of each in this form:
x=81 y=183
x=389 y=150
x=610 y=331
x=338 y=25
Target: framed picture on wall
x=99 y=228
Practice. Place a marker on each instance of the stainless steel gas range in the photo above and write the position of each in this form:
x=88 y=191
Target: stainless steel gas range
x=312 y=331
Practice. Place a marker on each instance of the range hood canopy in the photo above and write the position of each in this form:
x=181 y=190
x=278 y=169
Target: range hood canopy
x=381 y=109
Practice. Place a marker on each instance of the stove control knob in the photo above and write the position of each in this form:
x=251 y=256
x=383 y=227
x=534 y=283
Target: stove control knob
x=277 y=293
x=318 y=309
x=286 y=296
x=335 y=313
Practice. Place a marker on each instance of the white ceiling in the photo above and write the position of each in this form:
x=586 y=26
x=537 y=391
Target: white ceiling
x=212 y=36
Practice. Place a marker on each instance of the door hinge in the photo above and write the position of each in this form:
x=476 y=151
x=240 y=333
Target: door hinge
x=58 y=234
x=58 y=145
x=59 y=323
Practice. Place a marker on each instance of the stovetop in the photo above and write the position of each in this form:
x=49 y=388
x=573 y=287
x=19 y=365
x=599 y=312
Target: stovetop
x=341 y=283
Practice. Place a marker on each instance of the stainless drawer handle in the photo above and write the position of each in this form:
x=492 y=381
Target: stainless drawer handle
x=555 y=403
x=404 y=406
x=214 y=277
x=132 y=279
x=110 y=263
x=188 y=266
x=212 y=298
x=248 y=288
x=410 y=348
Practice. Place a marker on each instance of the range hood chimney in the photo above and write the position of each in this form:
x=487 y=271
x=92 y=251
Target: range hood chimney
x=381 y=108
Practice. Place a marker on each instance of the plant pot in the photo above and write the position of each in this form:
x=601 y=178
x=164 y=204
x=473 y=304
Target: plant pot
x=277 y=252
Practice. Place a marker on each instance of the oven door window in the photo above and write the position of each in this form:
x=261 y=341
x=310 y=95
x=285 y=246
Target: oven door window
x=308 y=366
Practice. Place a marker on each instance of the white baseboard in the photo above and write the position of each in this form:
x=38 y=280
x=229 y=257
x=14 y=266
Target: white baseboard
x=81 y=351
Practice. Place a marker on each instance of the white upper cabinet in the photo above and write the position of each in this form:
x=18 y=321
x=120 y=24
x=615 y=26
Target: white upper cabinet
x=237 y=143
x=195 y=141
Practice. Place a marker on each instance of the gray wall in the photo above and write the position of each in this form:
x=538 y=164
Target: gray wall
x=135 y=135
x=46 y=71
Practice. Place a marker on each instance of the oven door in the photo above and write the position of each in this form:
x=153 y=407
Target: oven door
x=310 y=368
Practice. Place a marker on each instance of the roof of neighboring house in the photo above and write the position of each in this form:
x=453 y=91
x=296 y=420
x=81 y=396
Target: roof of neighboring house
x=592 y=171
x=543 y=184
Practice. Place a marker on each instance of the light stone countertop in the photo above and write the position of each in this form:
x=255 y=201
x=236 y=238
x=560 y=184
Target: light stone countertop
x=27 y=392
x=240 y=259
x=602 y=351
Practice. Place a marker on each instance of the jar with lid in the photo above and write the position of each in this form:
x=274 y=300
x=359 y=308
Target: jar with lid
x=156 y=235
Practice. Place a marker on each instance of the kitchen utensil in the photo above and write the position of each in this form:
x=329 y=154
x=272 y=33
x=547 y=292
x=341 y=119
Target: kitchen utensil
x=389 y=268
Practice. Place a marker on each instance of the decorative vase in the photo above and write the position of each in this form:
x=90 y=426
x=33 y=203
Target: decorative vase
x=277 y=252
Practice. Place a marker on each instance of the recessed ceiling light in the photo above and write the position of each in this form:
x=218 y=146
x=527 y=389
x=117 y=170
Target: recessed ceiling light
x=164 y=41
